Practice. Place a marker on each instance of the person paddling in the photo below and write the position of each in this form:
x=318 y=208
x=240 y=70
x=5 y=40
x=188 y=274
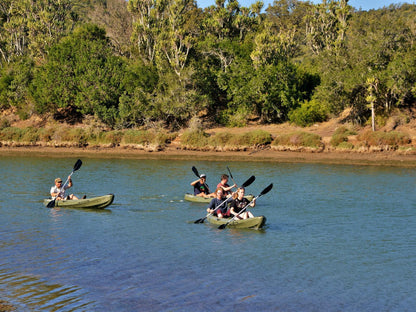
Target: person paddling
x=201 y=188
x=239 y=203
x=223 y=183
x=220 y=203
x=58 y=190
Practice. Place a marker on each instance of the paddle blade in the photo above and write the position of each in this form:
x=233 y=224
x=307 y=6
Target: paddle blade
x=249 y=181
x=222 y=226
x=77 y=165
x=199 y=220
x=51 y=204
x=266 y=190
x=195 y=171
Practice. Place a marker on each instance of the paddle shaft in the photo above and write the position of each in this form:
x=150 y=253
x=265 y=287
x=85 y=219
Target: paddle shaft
x=231 y=175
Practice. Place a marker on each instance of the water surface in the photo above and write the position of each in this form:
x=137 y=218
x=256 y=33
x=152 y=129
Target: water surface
x=338 y=238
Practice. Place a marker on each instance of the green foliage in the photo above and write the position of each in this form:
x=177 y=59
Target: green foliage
x=298 y=139
x=225 y=64
x=308 y=113
x=15 y=79
x=81 y=72
x=194 y=138
x=252 y=138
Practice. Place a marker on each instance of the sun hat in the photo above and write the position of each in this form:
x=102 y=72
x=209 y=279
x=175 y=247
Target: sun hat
x=203 y=175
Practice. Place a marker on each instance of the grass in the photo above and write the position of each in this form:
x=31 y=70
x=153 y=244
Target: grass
x=84 y=137
x=340 y=136
x=379 y=138
x=298 y=139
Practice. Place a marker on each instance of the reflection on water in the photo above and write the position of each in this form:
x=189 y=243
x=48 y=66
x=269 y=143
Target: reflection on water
x=337 y=238
x=36 y=294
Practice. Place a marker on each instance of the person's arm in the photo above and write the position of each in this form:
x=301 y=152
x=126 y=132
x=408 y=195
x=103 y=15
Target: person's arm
x=53 y=192
x=226 y=189
x=211 y=206
x=69 y=182
x=253 y=203
x=195 y=182
x=232 y=208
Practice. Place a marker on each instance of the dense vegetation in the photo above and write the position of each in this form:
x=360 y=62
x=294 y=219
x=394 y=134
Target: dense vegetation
x=168 y=63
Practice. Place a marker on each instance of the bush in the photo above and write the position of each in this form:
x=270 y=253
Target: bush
x=345 y=145
x=197 y=138
x=136 y=137
x=30 y=135
x=377 y=138
x=299 y=139
x=258 y=137
x=340 y=136
x=11 y=134
x=308 y=113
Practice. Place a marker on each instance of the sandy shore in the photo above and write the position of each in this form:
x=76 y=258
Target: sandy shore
x=354 y=158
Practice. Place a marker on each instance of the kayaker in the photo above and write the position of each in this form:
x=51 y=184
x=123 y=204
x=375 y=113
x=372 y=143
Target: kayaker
x=239 y=203
x=219 y=203
x=201 y=188
x=58 y=190
x=223 y=183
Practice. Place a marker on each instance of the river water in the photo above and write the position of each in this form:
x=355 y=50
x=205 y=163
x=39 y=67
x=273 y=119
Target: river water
x=338 y=238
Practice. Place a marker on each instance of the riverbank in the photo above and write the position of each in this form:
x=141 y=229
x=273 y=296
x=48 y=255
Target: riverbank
x=384 y=158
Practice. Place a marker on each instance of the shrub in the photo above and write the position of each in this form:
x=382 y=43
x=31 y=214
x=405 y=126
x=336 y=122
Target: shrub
x=340 y=136
x=45 y=135
x=11 y=134
x=345 y=145
x=308 y=113
x=4 y=123
x=377 y=138
x=30 y=135
x=197 y=138
x=299 y=139
x=220 y=139
x=136 y=137
x=258 y=137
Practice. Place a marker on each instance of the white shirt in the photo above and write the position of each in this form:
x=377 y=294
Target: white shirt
x=60 y=190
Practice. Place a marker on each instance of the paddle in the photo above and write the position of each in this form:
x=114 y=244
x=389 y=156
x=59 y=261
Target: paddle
x=197 y=174
x=245 y=184
x=265 y=191
x=231 y=175
x=77 y=165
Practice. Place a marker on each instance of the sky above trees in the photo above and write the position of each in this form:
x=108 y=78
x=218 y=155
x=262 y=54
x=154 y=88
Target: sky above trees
x=364 y=5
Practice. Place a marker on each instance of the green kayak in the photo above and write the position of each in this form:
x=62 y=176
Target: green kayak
x=200 y=199
x=99 y=202
x=255 y=223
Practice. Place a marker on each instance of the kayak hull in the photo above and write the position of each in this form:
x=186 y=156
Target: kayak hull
x=99 y=202
x=200 y=199
x=255 y=223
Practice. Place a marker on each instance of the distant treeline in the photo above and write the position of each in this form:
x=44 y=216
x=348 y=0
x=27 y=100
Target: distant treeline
x=167 y=63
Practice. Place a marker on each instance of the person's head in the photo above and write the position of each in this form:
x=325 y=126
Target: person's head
x=203 y=177
x=58 y=181
x=219 y=192
x=224 y=178
x=240 y=192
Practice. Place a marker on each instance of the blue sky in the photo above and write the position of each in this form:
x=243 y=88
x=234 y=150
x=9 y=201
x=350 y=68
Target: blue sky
x=365 y=5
